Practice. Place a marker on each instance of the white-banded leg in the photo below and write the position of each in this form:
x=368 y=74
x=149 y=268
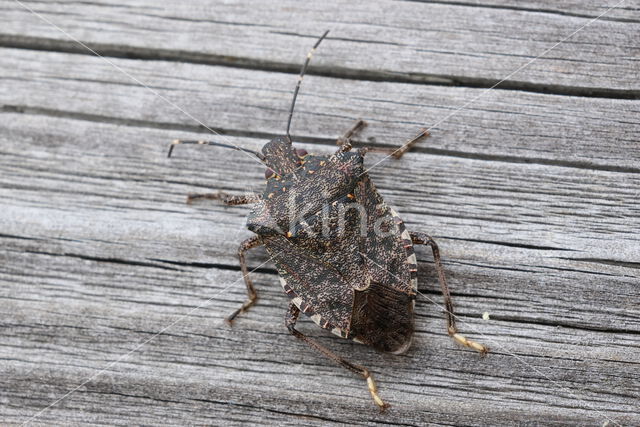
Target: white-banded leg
x=290 y=321
x=424 y=239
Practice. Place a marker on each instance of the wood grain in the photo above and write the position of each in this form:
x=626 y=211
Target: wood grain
x=111 y=284
x=512 y=126
x=428 y=42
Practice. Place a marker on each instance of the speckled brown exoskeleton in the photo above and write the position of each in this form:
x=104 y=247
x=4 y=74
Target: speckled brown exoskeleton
x=344 y=256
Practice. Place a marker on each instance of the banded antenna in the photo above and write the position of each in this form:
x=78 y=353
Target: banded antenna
x=293 y=103
x=302 y=71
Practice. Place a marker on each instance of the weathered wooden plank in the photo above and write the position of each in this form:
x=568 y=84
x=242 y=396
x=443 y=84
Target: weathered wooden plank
x=510 y=126
x=532 y=197
x=437 y=42
x=100 y=252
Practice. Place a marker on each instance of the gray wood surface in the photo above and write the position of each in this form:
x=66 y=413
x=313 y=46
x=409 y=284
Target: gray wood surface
x=113 y=289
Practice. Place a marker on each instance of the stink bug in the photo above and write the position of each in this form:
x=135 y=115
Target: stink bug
x=345 y=258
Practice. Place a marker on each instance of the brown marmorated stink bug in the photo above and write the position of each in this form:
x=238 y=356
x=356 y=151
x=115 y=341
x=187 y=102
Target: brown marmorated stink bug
x=344 y=256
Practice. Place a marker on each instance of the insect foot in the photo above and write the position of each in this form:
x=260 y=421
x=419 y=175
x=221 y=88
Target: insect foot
x=483 y=349
x=252 y=296
x=244 y=308
x=374 y=392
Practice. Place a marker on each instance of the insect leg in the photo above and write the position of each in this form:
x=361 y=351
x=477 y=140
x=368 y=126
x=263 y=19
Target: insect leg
x=398 y=152
x=227 y=199
x=424 y=239
x=250 y=243
x=345 y=140
x=407 y=145
x=290 y=321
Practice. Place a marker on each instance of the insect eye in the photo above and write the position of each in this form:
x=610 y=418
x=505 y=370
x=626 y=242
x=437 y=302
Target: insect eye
x=269 y=173
x=301 y=152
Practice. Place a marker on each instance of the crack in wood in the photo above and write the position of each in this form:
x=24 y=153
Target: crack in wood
x=519 y=8
x=615 y=262
x=157 y=54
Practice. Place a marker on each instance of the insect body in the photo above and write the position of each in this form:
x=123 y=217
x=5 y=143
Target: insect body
x=352 y=278
x=345 y=258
